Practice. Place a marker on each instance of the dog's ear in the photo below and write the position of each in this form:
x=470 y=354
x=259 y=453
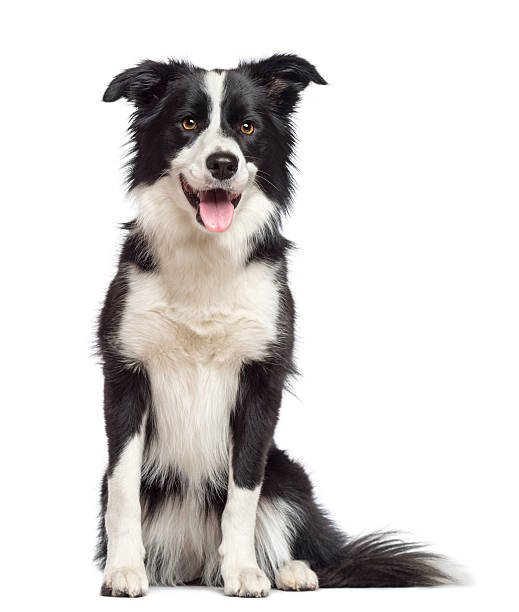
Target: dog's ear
x=143 y=84
x=285 y=76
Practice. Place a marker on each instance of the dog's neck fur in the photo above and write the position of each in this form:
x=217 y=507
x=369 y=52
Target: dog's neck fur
x=168 y=222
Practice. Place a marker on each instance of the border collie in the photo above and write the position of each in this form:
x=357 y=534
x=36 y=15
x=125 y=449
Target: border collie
x=196 y=338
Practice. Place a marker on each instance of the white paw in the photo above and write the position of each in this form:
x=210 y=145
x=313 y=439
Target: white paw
x=248 y=582
x=296 y=576
x=125 y=582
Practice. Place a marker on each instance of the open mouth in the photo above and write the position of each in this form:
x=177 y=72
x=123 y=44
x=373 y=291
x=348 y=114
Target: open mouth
x=214 y=207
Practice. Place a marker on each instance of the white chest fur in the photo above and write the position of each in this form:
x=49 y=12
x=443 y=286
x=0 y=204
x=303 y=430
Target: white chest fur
x=193 y=334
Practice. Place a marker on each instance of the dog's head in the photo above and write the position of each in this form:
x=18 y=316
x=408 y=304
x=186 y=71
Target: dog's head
x=216 y=136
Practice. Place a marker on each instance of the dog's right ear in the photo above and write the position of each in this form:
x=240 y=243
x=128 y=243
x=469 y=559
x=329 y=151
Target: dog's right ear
x=143 y=84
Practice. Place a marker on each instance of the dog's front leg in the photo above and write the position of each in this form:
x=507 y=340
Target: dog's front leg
x=126 y=397
x=240 y=572
x=253 y=424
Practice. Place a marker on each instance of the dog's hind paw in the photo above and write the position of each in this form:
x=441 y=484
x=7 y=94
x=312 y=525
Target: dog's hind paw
x=296 y=576
x=125 y=582
x=249 y=582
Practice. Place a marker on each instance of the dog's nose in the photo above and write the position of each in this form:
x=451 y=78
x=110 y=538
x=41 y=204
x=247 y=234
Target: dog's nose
x=222 y=165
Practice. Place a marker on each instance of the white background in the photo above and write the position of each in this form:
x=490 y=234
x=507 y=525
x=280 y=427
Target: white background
x=406 y=278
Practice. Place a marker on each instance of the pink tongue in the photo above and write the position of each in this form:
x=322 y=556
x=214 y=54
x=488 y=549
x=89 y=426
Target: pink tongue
x=216 y=210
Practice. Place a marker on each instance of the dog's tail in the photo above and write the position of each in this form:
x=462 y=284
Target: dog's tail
x=382 y=559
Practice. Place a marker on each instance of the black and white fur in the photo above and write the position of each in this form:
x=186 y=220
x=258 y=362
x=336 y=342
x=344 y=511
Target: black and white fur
x=196 y=338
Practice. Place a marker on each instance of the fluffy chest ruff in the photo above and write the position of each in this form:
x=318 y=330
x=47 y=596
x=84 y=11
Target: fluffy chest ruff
x=193 y=336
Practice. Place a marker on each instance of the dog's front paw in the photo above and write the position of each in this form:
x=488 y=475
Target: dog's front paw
x=125 y=582
x=245 y=582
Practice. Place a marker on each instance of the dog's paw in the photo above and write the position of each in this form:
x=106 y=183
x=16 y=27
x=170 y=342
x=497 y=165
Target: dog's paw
x=246 y=582
x=125 y=582
x=296 y=576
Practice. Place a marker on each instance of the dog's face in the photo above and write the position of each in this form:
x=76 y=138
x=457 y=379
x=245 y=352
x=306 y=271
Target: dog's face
x=217 y=135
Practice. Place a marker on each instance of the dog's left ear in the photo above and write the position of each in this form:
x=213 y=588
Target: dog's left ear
x=285 y=76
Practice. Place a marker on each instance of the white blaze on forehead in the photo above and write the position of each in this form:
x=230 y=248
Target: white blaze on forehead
x=214 y=82
x=213 y=138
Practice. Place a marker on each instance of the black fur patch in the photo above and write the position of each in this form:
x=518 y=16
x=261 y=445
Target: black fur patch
x=164 y=93
x=126 y=392
x=259 y=397
x=137 y=250
x=383 y=560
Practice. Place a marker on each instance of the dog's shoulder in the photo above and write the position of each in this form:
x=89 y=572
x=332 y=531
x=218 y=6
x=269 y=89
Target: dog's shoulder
x=136 y=253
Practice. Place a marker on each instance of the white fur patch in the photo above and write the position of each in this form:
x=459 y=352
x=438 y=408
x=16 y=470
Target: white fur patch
x=238 y=527
x=246 y=582
x=127 y=581
x=192 y=336
x=124 y=570
x=240 y=571
x=182 y=542
x=169 y=221
x=275 y=531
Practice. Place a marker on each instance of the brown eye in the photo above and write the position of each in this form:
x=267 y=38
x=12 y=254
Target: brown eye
x=189 y=123
x=247 y=128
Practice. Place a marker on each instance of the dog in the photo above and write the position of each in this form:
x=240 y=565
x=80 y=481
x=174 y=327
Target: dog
x=196 y=339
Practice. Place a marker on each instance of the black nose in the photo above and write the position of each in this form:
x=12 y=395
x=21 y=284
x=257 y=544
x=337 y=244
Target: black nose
x=222 y=165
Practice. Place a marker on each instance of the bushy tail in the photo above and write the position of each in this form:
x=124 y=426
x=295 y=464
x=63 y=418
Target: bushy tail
x=381 y=559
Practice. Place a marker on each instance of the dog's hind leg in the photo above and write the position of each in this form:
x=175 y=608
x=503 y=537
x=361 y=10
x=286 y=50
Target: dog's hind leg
x=276 y=527
x=296 y=576
x=302 y=548
x=293 y=536
x=126 y=398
